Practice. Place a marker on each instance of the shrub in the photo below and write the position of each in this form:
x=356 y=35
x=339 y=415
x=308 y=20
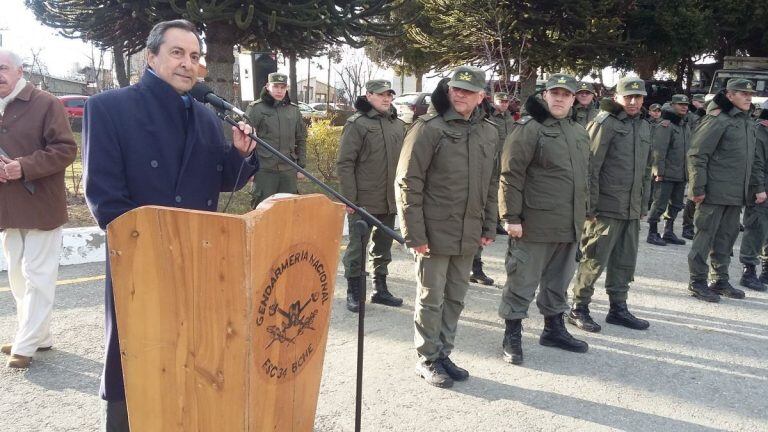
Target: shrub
x=322 y=147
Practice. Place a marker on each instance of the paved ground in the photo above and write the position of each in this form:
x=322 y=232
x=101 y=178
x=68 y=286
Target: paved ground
x=700 y=367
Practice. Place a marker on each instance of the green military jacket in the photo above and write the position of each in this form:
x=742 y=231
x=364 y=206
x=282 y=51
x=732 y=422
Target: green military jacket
x=504 y=124
x=368 y=154
x=447 y=182
x=280 y=125
x=721 y=155
x=671 y=141
x=543 y=180
x=583 y=115
x=692 y=119
x=620 y=164
x=759 y=178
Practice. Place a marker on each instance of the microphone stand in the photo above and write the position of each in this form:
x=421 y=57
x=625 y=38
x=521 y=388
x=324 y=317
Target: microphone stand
x=362 y=229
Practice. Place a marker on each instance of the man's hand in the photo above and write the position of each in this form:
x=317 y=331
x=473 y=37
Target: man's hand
x=698 y=198
x=659 y=178
x=349 y=210
x=514 y=230
x=11 y=169
x=760 y=198
x=485 y=241
x=301 y=176
x=240 y=139
x=420 y=250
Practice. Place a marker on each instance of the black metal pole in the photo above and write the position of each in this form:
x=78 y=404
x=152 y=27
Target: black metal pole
x=358 y=210
x=362 y=228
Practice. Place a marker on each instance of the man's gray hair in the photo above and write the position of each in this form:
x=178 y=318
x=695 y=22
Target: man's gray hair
x=15 y=59
x=156 y=36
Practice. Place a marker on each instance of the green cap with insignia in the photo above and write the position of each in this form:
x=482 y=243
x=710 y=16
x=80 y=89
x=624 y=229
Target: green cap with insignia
x=654 y=107
x=698 y=97
x=741 y=84
x=277 y=78
x=504 y=96
x=468 y=78
x=563 y=81
x=679 y=99
x=587 y=87
x=631 y=85
x=378 y=86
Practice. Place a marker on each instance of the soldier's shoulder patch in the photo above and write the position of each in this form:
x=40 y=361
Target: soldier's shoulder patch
x=354 y=117
x=600 y=118
x=665 y=123
x=523 y=120
x=428 y=117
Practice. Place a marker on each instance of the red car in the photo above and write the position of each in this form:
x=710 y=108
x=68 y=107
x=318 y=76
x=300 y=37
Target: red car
x=74 y=105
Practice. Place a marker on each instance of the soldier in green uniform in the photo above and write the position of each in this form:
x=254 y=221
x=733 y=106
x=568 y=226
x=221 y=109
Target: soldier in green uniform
x=694 y=116
x=619 y=184
x=278 y=122
x=753 y=242
x=446 y=188
x=368 y=153
x=719 y=169
x=543 y=201
x=501 y=116
x=654 y=113
x=584 y=110
x=670 y=143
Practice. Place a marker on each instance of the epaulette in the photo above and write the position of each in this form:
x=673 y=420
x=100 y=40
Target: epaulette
x=524 y=120
x=296 y=105
x=254 y=102
x=600 y=118
x=490 y=121
x=715 y=112
x=354 y=117
x=665 y=123
x=427 y=117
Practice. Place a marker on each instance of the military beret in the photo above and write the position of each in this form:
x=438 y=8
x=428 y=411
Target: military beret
x=468 y=78
x=563 y=81
x=277 y=78
x=631 y=86
x=378 y=86
x=740 y=84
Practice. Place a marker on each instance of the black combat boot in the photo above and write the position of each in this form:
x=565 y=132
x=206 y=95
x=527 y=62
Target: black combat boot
x=478 y=275
x=455 y=372
x=724 y=288
x=749 y=279
x=353 y=293
x=653 y=235
x=434 y=373
x=556 y=335
x=579 y=316
x=688 y=232
x=701 y=291
x=512 y=345
x=669 y=233
x=619 y=314
x=764 y=271
x=381 y=294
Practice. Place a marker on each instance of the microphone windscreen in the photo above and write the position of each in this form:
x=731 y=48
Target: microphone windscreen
x=200 y=91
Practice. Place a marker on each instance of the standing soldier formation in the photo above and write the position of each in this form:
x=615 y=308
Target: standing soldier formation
x=671 y=140
x=446 y=200
x=720 y=165
x=278 y=122
x=542 y=200
x=619 y=183
x=368 y=154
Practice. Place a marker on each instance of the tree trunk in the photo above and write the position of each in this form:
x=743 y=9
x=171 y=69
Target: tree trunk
x=220 y=61
x=646 y=66
x=419 y=82
x=123 y=79
x=294 y=87
x=309 y=80
x=527 y=83
x=689 y=75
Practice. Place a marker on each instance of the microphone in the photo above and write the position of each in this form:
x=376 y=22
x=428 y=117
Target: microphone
x=204 y=94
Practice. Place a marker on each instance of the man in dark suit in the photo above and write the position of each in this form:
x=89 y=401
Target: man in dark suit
x=152 y=144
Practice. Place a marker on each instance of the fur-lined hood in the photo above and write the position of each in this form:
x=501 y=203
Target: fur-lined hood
x=535 y=108
x=763 y=114
x=362 y=105
x=721 y=102
x=671 y=116
x=610 y=105
x=268 y=99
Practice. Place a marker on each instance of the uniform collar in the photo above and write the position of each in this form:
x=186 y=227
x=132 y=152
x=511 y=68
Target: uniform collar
x=451 y=114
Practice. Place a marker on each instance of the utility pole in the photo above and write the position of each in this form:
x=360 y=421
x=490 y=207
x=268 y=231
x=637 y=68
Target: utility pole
x=2 y=29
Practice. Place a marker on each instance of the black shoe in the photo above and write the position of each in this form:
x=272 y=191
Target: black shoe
x=456 y=373
x=724 y=288
x=618 y=314
x=653 y=235
x=512 y=345
x=669 y=233
x=688 y=232
x=353 y=293
x=749 y=279
x=478 y=275
x=579 y=316
x=381 y=294
x=701 y=291
x=556 y=335
x=434 y=374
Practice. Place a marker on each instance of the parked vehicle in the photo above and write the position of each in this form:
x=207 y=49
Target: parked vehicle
x=74 y=105
x=411 y=105
x=754 y=69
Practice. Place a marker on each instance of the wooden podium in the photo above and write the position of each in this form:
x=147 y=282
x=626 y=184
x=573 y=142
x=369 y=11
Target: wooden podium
x=223 y=319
